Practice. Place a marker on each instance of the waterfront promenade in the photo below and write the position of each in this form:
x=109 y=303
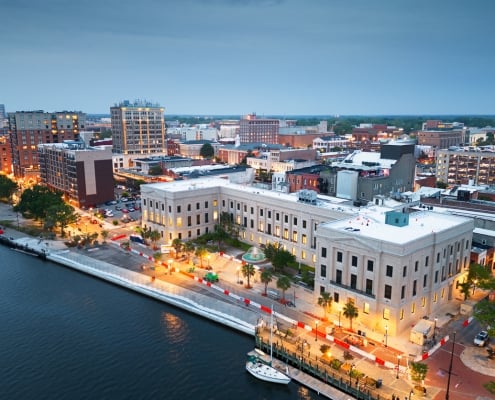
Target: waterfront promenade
x=239 y=311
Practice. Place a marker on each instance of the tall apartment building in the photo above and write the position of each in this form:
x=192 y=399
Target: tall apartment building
x=83 y=174
x=258 y=130
x=5 y=154
x=456 y=167
x=28 y=129
x=138 y=128
x=442 y=135
x=2 y=111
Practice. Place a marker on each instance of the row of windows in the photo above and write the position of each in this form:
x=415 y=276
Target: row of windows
x=178 y=207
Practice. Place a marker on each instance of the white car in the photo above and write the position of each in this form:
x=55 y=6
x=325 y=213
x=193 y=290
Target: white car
x=481 y=338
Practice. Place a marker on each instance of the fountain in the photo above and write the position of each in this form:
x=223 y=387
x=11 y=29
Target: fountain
x=254 y=256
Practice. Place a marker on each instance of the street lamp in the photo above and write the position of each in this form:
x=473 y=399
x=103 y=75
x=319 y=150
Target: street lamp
x=208 y=257
x=398 y=366
x=340 y=313
x=474 y=284
x=316 y=331
x=435 y=328
x=386 y=335
x=170 y=261
x=238 y=269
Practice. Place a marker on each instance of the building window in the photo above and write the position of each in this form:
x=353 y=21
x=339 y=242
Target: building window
x=438 y=257
x=286 y=234
x=354 y=261
x=369 y=286
x=323 y=271
x=286 y=219
x=390 y=271
x=415 y=284
x=261 y=212
x=324 y=252
x=304 y=239
x=427 y=259
x=404 y=271
x=294 y=237
x=339 y=256
x=401 y=317
x=416 y=265
x=338 y=276
x=425 y=279
x=304 y=224
x=189 y=222
x=388 y=292
x=366 y=308
x=413 y=308
x=423 y=301
x=353 y=281
x=370 y=265
x=295 y=220
x=436 y=276
x=206 y=204
x=188 y=207
x=206 y=218
x=403 y=292
x=386 y=314
x=336 y=297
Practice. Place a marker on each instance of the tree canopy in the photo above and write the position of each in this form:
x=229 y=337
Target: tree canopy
x=7 y=187
x=207 y=151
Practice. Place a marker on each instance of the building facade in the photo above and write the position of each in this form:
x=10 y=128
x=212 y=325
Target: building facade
x=258 y=130
x=396 y=267
x=5 y=154
x=456 y=167
x=28 y=129
x=138 y=128
x=83 y=174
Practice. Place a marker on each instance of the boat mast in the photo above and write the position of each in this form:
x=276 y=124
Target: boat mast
x=271 y=336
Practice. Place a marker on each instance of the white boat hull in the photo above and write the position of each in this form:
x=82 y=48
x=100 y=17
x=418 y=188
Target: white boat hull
x=266 y=372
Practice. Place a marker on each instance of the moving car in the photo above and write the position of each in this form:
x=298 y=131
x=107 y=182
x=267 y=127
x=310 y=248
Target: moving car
x=211 y=277
x=481 y=338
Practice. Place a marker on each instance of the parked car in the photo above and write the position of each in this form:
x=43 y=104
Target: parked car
x=131 y=209
x=119 y=208
x=481 y=338
x=125 y=210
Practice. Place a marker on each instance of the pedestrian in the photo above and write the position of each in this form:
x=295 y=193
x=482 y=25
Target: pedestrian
x=393 y=396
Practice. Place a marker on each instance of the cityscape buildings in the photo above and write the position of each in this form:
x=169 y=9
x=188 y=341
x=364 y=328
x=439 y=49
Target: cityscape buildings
x=28 y=129
x=253 y=129
x=458 y=166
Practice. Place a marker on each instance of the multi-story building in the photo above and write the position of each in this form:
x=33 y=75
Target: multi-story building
x=459 y=166
x=5 y=154
x=187 y=209
x=258 y=130
x=138 y=128
x=83 y=174
x=442 y=135
x=3 y=115
x=28 y=129
x=396 y=266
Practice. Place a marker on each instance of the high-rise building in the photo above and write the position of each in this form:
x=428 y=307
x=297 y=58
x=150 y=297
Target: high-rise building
x=83 y=174
x=28 y=129
x=2 y=111
x=258 y=130
x=461 y=166
x=5 y=154
x=138 y=128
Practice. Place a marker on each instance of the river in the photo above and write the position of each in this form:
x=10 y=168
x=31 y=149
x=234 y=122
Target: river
x=66 y=335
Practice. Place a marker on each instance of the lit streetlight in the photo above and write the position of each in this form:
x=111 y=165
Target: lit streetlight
x=208 y=258
x=170 y=261
x=316 y=331
x=474 y=284
x=398 y=365
x=435 y=328
x=340 y=313
x=386 y=335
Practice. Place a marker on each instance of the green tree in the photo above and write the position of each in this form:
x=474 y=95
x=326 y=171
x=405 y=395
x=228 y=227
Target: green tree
x=350 y=311
x=62 y=215
x=325 y=301
x=418 y=371
x=178 y=245
x=248 y=271
x=154 y=236
x=201 y=253
x=442 y=185
x=36 y=201
x=104 y=234
x=207 y=151
x=266 y=277
x=7 y=187
x=189 y=248
x=281 y=259
x=283 y=283
x=219 y=235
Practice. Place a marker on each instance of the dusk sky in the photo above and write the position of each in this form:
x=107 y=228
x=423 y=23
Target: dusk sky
x=272 y=57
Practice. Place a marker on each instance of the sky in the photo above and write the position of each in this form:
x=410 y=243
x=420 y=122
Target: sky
x=234 y=57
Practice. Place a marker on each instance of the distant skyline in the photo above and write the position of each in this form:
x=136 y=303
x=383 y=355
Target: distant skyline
x=234 y=57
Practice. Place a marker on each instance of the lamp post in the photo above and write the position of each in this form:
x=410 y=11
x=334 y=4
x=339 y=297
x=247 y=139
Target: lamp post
x=410 y=394
x=435 y=328
x=238 y=269
x=386 y=335
x=450 y=367
x=316 y=331
x=208 y=257
x=340 y=313
x=474 y=284
x=350 y=374
x=170 y=266
x=398 y=366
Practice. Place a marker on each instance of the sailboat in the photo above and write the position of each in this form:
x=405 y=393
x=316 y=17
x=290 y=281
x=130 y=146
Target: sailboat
x=260 y=365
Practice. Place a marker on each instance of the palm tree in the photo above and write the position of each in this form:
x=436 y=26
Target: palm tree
x=201 y=252
x=266 y=278
x=248 y=271
x=154 y=237
x=325 y=301
x=283 y=283
x=104 y=235
x=189 y=249
x=178 y=245
x=350 y=311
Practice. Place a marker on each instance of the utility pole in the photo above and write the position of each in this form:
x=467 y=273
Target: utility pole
x=450 y=367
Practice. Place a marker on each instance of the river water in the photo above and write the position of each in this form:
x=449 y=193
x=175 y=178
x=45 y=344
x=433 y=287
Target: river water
x=66 y=335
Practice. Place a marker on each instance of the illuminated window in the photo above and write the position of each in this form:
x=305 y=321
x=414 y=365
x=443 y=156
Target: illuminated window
x=215 y=203
x=303 y=254
x=386 y=313
x=294 y=236
x=413 y=308
x=179 y=222
x=423 y=301
x=366 y=308
x=435 y=298
x=304 y=239
x=286 y=234
x=293 y=251
x=277 y=231
x=401 y=314
x=313 y=258
x=443 y=293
